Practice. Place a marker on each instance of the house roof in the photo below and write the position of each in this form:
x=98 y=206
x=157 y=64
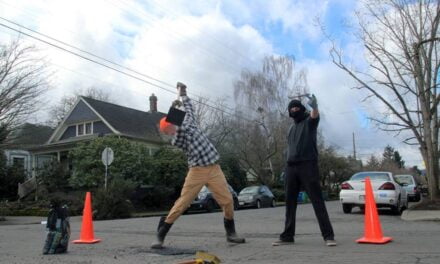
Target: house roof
x=129 y=122
x=28 y=135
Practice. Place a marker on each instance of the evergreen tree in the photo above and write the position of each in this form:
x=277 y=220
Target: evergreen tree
x=398 y=160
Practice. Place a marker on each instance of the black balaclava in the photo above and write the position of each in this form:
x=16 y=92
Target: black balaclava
x=300 y=115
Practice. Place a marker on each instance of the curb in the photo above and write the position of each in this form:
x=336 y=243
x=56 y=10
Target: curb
x=420 y=215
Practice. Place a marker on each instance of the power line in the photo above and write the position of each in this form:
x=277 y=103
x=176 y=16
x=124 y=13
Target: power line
x=96 y=56
x=117 y=70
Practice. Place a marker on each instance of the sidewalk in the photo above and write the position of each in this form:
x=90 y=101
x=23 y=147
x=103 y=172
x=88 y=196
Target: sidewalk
x=421 y=215
x=30 y=220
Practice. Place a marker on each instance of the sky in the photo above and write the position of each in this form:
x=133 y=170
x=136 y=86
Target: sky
x=204 y=44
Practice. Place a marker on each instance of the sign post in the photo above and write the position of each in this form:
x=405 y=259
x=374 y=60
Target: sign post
x=107 y=159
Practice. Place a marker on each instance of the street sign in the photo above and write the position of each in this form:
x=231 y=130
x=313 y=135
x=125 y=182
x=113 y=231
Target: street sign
x=107 y=156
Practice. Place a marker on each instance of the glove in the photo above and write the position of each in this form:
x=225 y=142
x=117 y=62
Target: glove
x=176 y=103
x=181 y=88
x=313 y=102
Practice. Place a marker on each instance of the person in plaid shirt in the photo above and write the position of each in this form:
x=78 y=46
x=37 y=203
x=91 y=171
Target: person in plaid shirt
x=203 y=170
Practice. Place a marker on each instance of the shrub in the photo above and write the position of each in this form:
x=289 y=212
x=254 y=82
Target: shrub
x=235 y=176
x=131 y=161
x=10 y=176
x=113 y=203
x=279 y=194
x=53 y=176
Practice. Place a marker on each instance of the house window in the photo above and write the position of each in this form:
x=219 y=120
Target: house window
x=84 y=129
x=88 y=128
x=18 y=162
x=80 y=130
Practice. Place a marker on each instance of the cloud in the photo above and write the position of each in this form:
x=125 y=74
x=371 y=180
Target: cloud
x=204 y=43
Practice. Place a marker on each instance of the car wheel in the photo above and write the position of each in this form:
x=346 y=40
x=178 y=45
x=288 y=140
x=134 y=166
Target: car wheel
x=406 y=205
x=347 y=208
x=258 y=204
x=417 y=198
x=235 y=204
x=396 y=208
x=272 y=204
x=210 y=206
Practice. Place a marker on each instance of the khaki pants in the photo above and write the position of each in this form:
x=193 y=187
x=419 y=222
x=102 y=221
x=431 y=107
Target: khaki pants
x=212 y=176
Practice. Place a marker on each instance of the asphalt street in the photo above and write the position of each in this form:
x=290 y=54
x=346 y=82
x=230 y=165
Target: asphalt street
x=128 y=241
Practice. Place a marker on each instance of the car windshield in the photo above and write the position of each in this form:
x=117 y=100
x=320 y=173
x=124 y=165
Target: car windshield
x=252 y=189
x=408 y=179
x=374 y=176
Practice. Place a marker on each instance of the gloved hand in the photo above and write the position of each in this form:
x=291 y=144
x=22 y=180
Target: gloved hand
x=181 y=88
x=176 y=103
x=313 y=102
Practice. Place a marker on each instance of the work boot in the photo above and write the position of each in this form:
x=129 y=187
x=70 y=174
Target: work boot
x=162 y=230
x=231 y=235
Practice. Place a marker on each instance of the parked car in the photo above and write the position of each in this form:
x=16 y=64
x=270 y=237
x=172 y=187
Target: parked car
x=410 y=186
x=256 y=196
x=205 y=200
x=386 y=190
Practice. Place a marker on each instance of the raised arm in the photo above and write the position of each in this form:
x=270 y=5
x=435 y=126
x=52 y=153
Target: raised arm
x=189 y=109
x=313 y=102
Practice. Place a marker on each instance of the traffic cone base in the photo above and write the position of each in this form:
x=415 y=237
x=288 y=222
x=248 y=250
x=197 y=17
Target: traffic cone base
x=87 y=235
x=80 y=241
x=373 y=229
x=382 y=240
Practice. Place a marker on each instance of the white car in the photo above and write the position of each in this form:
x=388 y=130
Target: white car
x=387 y=192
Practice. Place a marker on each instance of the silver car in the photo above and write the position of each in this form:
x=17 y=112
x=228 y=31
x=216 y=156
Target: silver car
x=256 y=196
x=386 y=190
x=410 y=186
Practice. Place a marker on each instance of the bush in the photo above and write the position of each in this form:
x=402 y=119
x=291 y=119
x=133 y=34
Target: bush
x=131 y=161
x=113 y=203
x=153 y=196
x=235 y=176
x=54 y=176
x=10 y=176
x=34 y=208
x=74 y=201
x=279 y=194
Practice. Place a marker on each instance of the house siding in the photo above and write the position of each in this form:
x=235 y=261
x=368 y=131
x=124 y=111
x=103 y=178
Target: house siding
x=100 y=128
x=69 y=133
x=81 y=113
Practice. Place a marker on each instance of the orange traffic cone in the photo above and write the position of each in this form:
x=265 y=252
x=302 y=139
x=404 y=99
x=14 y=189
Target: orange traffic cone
x=373 y=230
x=87 y=236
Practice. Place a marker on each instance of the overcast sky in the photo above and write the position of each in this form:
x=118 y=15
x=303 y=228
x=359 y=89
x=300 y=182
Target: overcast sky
x=205 y=44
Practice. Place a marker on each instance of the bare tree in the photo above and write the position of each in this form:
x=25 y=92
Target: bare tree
x=401 y=42
x=24 y=78
x=264 y=96
x=60 y=110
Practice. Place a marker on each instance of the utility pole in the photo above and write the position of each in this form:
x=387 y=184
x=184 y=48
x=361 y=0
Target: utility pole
x=354 y=148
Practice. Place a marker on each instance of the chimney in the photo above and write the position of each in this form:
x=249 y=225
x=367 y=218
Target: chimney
x=153 y=103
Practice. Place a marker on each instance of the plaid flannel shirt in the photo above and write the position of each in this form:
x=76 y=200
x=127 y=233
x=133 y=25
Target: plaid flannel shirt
x=199 y=150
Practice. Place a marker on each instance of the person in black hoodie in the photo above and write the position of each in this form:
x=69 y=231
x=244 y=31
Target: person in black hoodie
x=302 y=171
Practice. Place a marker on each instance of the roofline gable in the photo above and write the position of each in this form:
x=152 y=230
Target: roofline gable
x=101 y=117
x=56 y=133
x=61 y=124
